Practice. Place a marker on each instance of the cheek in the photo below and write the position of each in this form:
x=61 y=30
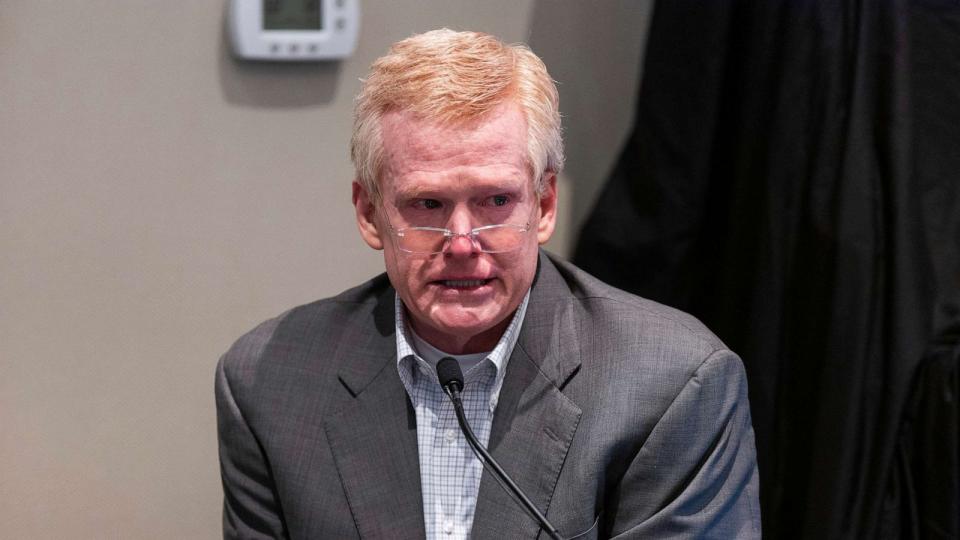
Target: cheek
x=520 y=269
x=398 y=274
x=411 y=274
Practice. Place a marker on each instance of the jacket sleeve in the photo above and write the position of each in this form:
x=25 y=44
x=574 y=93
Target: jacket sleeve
x=696 y=474
x=251 y=506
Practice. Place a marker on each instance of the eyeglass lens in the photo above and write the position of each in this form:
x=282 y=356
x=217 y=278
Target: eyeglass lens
x=495 y=239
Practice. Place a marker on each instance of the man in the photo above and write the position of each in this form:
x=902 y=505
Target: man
x=617 y=416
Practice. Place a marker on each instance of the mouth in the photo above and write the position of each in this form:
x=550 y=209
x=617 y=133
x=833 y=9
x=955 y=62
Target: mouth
x=463 y=284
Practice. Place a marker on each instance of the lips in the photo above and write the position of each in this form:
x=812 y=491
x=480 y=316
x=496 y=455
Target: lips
x=463 y=283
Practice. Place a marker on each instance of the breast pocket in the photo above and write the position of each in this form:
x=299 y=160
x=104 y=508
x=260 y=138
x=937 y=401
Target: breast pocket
x=589 y=534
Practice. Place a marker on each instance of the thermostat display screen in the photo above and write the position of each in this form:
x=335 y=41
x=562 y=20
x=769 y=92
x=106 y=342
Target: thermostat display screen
x=293 y=30
x=292 y=15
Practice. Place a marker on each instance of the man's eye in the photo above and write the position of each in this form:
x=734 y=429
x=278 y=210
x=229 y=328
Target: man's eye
x=428 y=204
x=499 y=200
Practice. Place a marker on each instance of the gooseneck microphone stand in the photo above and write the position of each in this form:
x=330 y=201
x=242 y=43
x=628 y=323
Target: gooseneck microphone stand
x=451 y=379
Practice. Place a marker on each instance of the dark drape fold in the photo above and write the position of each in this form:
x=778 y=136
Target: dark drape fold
x=770 y=187
x=922 y=495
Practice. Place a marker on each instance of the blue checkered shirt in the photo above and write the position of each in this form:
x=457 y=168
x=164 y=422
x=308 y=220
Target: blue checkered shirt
x=449 y=472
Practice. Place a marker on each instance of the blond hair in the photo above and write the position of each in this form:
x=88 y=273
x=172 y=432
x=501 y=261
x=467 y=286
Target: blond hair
x=452 y=78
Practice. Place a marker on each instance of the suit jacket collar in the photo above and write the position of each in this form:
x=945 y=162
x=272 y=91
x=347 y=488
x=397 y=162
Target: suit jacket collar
x=374 y=442
x=550 y=331
x=534 y=423
x=373 y=438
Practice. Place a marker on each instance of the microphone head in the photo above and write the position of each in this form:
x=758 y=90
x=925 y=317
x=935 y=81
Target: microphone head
x=449 y=373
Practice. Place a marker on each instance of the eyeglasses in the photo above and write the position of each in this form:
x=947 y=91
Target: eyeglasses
x=432 y=240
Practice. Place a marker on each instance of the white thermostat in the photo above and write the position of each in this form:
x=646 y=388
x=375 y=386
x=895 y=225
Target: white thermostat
x=294 y=30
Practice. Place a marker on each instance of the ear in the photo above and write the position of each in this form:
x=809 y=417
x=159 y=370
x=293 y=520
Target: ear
x=366 y=216
x=548 y=208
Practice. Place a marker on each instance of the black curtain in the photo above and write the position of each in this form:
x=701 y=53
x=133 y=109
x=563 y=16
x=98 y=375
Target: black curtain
x=791 y=180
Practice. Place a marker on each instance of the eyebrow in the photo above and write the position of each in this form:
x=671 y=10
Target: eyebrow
x=507 y=184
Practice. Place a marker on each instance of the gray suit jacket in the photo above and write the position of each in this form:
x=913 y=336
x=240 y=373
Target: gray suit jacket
x=616 y=412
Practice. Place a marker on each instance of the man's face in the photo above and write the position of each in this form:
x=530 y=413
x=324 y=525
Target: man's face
x=458 y=178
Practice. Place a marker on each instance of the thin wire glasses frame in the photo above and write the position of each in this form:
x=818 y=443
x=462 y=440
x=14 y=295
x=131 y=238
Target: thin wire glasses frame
x=499 y=238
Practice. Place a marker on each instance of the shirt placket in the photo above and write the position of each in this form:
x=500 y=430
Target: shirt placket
x=449 y=467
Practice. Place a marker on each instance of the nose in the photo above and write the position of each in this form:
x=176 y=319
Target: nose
x=462 y=243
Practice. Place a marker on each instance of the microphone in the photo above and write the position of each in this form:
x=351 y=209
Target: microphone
x=451 y=379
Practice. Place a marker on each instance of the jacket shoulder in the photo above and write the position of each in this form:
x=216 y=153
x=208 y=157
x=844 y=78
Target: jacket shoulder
x=635 y=320
x=304 y=332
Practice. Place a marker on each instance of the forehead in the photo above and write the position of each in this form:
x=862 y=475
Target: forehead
x=418 y=152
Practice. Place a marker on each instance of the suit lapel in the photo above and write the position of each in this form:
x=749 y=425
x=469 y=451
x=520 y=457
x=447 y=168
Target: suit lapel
x=374 y=439
x=534 y=422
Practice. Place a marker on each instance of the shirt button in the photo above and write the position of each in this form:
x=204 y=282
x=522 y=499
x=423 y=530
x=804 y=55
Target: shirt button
x=450 y=436
x=448 y=527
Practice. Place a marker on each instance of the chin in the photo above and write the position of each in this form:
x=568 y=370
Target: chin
x=465 y=329
x=463 y=325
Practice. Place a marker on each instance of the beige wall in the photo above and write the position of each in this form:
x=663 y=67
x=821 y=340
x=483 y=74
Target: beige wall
x=158 y=198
